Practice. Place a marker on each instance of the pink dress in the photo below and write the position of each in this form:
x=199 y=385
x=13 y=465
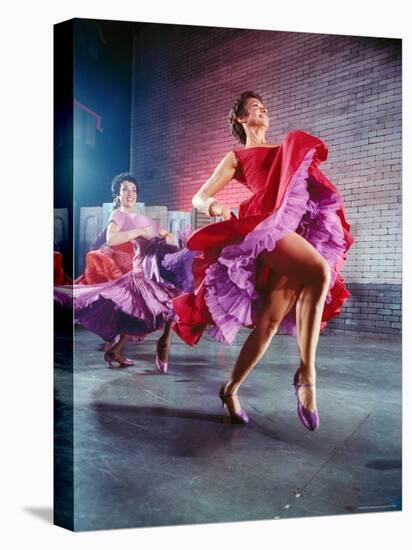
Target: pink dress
x=139 y=301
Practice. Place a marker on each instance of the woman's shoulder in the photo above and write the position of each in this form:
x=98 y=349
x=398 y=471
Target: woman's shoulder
x=229 y=158
x=116 y=215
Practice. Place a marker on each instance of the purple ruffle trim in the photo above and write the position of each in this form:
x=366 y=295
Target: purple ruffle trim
x=63 y=295
x=310 y=210
x=178 y=267
x=128 y=305
x=137 y=303
x=166 y=263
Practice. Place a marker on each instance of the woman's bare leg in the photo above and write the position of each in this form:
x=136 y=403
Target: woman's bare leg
x=305 y=276
x=115 y=353
x=163 y=344
x=118 y=347
x=279 y=299
x=296 y=257
x=108 y=346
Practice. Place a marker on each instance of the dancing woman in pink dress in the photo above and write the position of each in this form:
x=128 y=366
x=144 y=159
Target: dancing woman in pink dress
x=129 y=236
x=278 y=263
x=128 y=284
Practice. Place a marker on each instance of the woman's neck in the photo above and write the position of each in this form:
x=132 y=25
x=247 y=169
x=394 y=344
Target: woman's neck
x=255 y=137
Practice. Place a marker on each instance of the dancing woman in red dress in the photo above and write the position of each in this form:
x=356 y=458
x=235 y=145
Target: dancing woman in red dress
x=278 y=263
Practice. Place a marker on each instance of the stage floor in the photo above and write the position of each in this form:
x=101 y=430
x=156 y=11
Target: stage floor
x=153 y=449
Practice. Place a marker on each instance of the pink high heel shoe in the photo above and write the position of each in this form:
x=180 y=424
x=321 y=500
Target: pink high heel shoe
x=127 y=362
x=310 y=419
x=111 y=358
x=162 y=366
x=237 y=418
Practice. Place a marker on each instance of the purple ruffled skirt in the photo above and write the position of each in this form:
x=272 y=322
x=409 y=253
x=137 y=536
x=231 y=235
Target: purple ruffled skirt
x=137 y=303
x=166 y=263
x=130 y=305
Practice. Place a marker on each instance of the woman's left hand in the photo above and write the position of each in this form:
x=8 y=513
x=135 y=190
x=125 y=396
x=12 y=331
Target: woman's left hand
x=226 y=213
x=169 y=237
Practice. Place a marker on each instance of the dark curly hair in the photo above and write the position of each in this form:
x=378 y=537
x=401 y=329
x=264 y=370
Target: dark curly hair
x=117 y=183
x=237 y=111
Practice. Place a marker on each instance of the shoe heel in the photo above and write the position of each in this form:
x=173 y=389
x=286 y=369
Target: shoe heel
x=110 y=358
x=237 y=418
x=162 y=366
x=222 y=396
x=310 y=419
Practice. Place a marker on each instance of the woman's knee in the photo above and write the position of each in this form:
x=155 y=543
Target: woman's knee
x=270 y=324
x=319 y=274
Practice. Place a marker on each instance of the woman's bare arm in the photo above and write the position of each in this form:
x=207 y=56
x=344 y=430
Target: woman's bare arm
x=115 y=236
x=223 y=174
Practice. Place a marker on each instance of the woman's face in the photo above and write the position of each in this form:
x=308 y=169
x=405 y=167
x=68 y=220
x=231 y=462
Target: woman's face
x=256 y=113
x=128 y=194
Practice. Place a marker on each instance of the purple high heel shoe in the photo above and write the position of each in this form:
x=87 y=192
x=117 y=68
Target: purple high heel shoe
x=310 y=419
x=117 y=361
x=237 y=418
x=160 y=365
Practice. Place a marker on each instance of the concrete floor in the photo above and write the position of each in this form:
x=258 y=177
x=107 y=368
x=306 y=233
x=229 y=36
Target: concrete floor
x=153 y=449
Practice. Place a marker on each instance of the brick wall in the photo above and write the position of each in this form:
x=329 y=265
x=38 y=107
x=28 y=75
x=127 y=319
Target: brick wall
x=346 y=90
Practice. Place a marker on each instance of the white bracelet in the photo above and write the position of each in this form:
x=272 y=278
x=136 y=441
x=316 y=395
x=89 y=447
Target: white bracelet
x=208 y=204
x=203 y=205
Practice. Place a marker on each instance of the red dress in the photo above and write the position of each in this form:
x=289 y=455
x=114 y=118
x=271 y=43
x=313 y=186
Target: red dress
x=289 y=193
